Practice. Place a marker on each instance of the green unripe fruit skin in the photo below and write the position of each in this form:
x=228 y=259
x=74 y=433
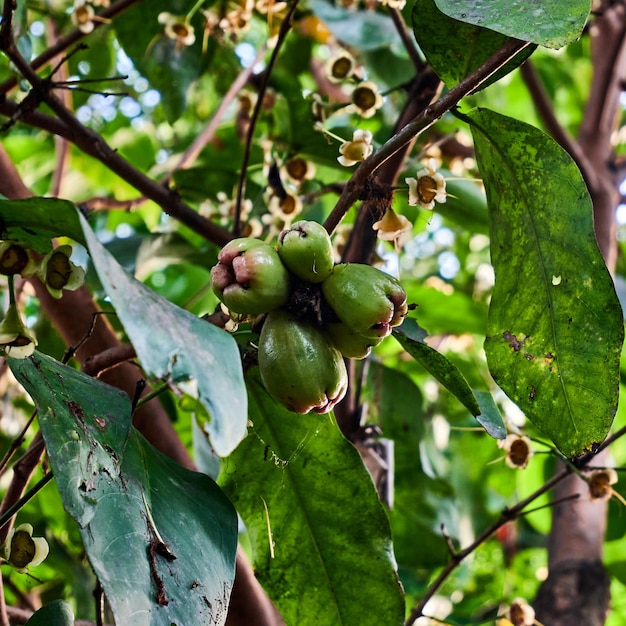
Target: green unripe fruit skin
x=350 y=343
x=367 y=300
x=250 y=278
x=299 y=366
x=306 y=251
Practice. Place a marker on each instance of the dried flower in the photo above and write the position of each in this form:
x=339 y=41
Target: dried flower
x=177 y=28
x=57 y=272
x=339 y=67
x=429 y=187
x=17 y=340
x=392 y=226
x=21 y=550
x=518 y=450
x=521 y=613
x=16 y=259
x=600 y=482
x=366 y=99
x=298 y=170
x=356 y=150
x=286 y=206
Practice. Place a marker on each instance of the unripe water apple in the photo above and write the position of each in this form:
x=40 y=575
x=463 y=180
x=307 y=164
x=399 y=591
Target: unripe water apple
x=306 y=251
x=350 y=343
x=250 y=278
x=299 y=366
x=366 y=299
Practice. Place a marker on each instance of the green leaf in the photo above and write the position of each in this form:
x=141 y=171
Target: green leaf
x=490 y=417
x=127 y=497
x=34 y=222
x=555 y=326
x=411 y=337
x=56 y=613
x=299 y=480
x=545 y=22
x=170 y=342
x=454 y=48
x=171 y=67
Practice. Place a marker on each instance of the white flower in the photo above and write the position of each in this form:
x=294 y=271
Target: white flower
x=57 y=272
x=394 y=4
x=366 y=99
x=83 y=16
x=22 y=550
x=339 y=67
x=17 y=340
x=286 y=207
x=177 y=28
x=356 y=150
x=429 y=187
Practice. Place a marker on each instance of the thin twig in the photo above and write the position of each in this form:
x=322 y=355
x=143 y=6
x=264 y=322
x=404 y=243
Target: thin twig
x=282 y=34
x=93 y=144
x=419 y=125
x=407 y=39
x=16 y=443
x=64 y=43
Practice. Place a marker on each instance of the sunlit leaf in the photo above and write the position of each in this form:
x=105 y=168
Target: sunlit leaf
x=545 y=22
x=455 y=48
x=180 y=345
x=292 y=480
x=162 y=539
x=555 y=327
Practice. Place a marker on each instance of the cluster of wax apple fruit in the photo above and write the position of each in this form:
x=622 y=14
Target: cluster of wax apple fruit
x=317 y=312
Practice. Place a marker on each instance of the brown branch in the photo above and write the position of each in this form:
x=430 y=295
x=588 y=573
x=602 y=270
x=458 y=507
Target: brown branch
x=407 y=39
x=417 y=126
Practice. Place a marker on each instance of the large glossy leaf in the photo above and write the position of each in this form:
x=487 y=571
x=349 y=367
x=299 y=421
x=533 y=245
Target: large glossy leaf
x=298 y=484
x=411 y=337
x=161 y=539
x=555 y=326
x=546 y=22
x=169 y=341
x=455 y=48
x=35 y=221
x=57 y=613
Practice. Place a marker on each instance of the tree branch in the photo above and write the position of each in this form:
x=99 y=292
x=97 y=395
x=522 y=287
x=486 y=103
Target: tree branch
x=417 y=126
